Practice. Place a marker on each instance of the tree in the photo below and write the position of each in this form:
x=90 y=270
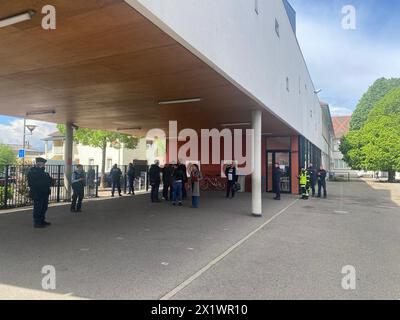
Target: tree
x=100 y=139
x=374 y=94
x=376 y=146
x=7 y=156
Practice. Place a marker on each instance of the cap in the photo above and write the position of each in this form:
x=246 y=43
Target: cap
x=42 y=160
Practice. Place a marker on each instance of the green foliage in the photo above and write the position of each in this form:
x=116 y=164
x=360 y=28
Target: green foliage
x=100 y=138
x=376 y=146
x=2 y=195
x=374 y=94
x=7 y=156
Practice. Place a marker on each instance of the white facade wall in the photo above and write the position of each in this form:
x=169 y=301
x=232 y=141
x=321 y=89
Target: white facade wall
x=243 y=46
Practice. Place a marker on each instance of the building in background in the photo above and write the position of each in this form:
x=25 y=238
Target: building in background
x=30 y=152
x=341 y=125
x=146 y=150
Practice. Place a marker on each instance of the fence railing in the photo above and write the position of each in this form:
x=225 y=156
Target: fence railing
x=14 y=189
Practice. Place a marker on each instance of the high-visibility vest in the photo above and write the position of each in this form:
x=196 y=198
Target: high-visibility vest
x=303 y=179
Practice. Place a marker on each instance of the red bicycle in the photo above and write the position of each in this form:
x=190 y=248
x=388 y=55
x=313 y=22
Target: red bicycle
x=213 y=183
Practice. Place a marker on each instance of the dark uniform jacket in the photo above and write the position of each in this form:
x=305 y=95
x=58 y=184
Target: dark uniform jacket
x=131 y=172
x=115 y=174
x=154 y=174
x=76 y=182
x=322 y=175
x=276 y=178
x=231 y=172
x=39 y=182
x=313 y=175
x=167 y=175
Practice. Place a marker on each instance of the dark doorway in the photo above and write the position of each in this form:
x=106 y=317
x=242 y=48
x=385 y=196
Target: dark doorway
x=284 y=160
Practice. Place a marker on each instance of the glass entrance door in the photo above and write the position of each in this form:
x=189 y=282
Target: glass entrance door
x=283 y=159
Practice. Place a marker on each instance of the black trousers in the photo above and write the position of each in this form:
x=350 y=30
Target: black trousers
x=77 y=197
x=116 y=185
x=131 y=185
x=155 y=188
x=184 y=193
x=322 y=185
x=230 y=189
x=277 y=190
x=166 y=191
x=40 y=206
x=312 y=188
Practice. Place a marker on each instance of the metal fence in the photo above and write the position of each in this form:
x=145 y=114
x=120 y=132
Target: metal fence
x=14 y=190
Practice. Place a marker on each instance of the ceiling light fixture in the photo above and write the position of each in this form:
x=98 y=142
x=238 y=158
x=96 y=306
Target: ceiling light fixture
x=40 y=112
x=17 y=18
x=239 y=124
x=129 y=129
x=180 y=101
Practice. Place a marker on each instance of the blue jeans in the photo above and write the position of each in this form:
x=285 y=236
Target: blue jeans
x=195 y=202
x=177 y=193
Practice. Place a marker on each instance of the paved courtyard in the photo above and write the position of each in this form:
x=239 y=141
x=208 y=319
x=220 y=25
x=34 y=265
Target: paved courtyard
x=127 y=248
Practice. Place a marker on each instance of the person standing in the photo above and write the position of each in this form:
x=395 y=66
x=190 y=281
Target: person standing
x=304 y=178
x=116 y=175
x=167 y=177
x=78 y=182
x=195 y=177
x=276 y=181
x=178 y=178
x=131 y=179
x=231 y=175
x=155 y=180
x=39 y=182
x=322 y=181
x=183 y=168
x=313 y=178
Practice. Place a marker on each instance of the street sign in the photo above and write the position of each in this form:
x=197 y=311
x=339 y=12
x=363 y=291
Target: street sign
x=21 y=153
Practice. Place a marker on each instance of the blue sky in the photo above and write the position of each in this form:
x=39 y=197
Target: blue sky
x=343 y=63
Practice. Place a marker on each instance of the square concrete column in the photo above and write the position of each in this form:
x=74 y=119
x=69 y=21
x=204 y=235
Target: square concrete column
x=68 y=150
x=256 y=175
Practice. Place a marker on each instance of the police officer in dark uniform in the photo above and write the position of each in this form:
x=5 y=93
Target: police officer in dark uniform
x=322 y=182
x=167 y=181
x=155 y=180
x=116 y=175
x=276 y=181
x=39 y=182
x=231 y=175
x=131 y=179
x=313 y=178
x=78 y=182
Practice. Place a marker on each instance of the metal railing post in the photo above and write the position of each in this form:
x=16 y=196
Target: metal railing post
x=58 y=182
x=97 y=181
x=5 y=192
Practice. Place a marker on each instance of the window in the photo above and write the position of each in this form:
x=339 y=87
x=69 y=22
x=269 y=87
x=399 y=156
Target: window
x=341 y=164
x=109 y=164
x=277 y=27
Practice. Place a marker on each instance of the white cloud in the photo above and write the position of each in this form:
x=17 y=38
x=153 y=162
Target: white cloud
x=340 y=111
x=12 y=133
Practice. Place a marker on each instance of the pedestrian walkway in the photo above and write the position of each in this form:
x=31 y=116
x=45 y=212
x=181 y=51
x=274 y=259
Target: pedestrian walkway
x=127 y=248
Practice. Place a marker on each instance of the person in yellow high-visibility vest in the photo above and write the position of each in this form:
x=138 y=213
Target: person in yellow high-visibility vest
x=304 y=178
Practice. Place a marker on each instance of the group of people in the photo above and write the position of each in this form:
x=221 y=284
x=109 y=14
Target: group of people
x=175 y=179
x=308 y=179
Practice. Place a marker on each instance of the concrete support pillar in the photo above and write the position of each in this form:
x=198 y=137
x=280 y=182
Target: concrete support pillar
x=257 y=170
x=68 y=150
